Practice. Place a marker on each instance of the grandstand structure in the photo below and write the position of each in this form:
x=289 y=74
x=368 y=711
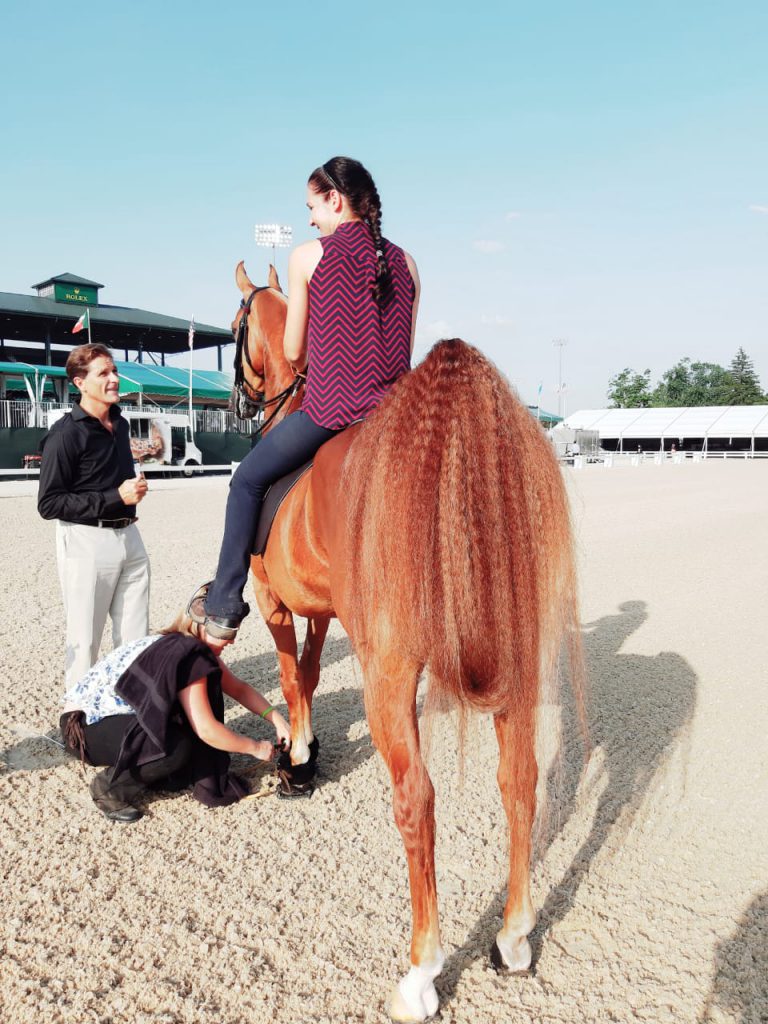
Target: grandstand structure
x=37 y=328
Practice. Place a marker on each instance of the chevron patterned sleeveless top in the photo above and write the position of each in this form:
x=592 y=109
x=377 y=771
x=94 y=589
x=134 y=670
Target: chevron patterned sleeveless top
x=356 y=350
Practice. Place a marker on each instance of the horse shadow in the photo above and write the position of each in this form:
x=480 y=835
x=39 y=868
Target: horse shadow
x=640 y=708
x=740 y=985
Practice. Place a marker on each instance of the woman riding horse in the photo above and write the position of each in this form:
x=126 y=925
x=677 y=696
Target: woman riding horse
x=353 y=297
x=446 y=549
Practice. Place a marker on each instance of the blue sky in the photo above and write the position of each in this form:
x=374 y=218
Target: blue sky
x=591 y=172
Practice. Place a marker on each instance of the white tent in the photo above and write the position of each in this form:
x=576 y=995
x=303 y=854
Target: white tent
x=706 y=426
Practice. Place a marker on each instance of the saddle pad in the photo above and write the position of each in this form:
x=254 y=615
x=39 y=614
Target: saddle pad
x=273 y=499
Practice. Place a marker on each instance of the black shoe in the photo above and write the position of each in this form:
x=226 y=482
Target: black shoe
x=111 y=806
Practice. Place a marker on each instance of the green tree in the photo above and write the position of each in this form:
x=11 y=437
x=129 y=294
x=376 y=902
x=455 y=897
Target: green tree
x=709 y=384
x=674 y=385
x=630 y=390
x=745 y=383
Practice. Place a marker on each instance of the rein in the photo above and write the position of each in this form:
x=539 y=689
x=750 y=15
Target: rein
x=281 y=399
x=244 y=393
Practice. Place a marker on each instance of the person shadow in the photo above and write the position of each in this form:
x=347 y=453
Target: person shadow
x=739 y=990
x=33 y=751
x=639 y=709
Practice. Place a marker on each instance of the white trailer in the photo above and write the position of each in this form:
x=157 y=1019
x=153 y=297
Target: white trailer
x=570 y=442
x=158 y=438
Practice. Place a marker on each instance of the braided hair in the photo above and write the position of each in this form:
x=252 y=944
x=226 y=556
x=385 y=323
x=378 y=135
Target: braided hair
x=352 y=180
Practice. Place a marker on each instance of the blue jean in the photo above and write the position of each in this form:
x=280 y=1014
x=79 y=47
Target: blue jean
x=284 y=448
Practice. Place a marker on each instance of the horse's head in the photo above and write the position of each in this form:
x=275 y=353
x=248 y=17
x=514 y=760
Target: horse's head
x=261 y=369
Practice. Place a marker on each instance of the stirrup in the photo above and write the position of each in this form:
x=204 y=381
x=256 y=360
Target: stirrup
x=219 y=626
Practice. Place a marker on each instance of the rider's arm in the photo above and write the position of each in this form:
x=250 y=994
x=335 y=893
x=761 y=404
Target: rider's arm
x=251 y=699
x=417 y=285
x=301 y=266
x=197 y=708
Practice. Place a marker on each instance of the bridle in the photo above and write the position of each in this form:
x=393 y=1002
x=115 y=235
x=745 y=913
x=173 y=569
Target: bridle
x=246 y=402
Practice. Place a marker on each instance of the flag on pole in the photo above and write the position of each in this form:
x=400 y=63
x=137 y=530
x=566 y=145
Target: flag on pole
x=191 y=338
x=83 y=323
x=541 y=385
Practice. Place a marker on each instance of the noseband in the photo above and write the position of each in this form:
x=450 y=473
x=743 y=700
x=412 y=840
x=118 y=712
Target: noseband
x=248 y=403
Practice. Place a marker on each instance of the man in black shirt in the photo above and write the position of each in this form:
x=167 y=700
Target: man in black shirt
x=87 y=483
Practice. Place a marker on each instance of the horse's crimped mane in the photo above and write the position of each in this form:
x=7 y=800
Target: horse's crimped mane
x=459 y=550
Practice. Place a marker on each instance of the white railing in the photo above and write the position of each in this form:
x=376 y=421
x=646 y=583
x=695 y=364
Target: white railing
x=18 y=413
x=221 y=421
x=149 y=470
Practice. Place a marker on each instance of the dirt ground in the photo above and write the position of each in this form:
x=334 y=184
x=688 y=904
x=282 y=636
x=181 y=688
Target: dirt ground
x=651 y=889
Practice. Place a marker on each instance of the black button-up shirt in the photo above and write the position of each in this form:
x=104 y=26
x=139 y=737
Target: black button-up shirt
x=82 y=467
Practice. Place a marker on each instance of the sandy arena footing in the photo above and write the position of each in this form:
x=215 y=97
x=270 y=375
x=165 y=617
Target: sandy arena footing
x=651 y=892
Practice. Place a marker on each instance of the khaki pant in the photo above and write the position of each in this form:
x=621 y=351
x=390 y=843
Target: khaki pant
x=101 y=571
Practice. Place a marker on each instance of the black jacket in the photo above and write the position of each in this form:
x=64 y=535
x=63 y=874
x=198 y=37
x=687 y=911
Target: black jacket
x=151 y=686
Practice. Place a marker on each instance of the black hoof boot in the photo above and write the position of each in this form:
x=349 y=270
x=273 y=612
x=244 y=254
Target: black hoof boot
x=296 y=779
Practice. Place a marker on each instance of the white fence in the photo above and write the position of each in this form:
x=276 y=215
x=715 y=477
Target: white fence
x=15 y=413
x=609 y=459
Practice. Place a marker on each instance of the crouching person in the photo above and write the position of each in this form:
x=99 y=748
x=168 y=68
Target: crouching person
x=153 y=712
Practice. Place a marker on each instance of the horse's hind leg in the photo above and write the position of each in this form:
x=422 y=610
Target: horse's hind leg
x=390 y=701
x=517 y=777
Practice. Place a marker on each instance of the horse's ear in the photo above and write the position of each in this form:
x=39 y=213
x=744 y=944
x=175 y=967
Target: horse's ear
x=273 y=280
x=242 y=279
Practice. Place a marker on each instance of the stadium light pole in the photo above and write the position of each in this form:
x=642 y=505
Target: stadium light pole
x=276 y=236
x=560 y=343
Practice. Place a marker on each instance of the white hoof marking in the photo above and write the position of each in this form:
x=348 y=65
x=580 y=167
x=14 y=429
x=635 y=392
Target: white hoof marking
x=516 y=953
x=415 y=998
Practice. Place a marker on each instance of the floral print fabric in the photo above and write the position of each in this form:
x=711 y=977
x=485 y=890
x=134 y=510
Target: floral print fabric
x=94 y=694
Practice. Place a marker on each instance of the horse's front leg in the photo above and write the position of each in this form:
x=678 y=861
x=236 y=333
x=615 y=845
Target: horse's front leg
x=390 y=701
x=279 y=620
x=309 y=676
x=517 y=777
x=298 y=679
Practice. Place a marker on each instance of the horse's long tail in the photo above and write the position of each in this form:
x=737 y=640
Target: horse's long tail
x=460 y=549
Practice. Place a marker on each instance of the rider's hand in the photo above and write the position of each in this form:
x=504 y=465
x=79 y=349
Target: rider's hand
x=132 y=491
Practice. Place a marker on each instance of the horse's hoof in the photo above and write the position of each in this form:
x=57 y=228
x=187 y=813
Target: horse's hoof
x=415 y=997
x=501 y=967
x=296 y=779
x=401 y=1012
x=295 y=774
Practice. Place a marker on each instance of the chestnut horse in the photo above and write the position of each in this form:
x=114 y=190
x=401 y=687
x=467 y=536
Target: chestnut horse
x=438 y=533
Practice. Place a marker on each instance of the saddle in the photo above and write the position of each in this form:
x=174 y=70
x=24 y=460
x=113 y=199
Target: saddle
x=273 y=499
